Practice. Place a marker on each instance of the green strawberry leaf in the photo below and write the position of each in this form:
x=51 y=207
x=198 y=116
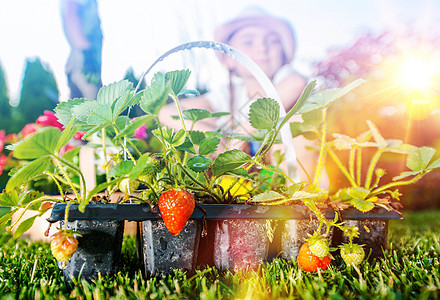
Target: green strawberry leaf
x=208 y=145
x=122 y=168
x=178 y=138
x=8 y=216
x=9 y=198
x=242 y=173
x=122 y=103
x=196 y=114
x=178 y=79
x=381 y=142
x=133 y=125
x=405 y=174
x=69 y=131
x=229 y=160
x=305 y=95
x=43 y=142
x=396 y=146
x=419 y=159
x=358 y=193
x=434 y=165
x=267 y=196
x=189 y=92
x=199 y=163
x=187 y=146
x=197 y=136
x=155 y=96
x=64 y=110
x=307 y=130
x=24 y=226
x=219 y=114
x=362 y=205
x=113 y=91
x=264 y=113
x=140 y=165
x=28 y=171
x=324 y=98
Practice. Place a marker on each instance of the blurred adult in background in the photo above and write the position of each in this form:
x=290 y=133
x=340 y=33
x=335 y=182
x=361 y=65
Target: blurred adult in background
x=82 y=27
x=267 y=40
x=270 y=42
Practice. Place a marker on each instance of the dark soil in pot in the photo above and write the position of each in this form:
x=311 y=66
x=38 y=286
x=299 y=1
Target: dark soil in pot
x=99 y=249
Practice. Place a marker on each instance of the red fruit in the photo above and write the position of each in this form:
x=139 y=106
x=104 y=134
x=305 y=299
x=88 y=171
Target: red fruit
x=63 y=245
x=310 y=262
x=176 y=206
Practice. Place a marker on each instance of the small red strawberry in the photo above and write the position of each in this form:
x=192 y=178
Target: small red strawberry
x=352 y=254
x=310 y=262
x=176 y=206
x=63 y=245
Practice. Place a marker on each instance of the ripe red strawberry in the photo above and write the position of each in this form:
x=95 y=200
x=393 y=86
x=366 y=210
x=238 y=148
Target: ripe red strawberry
x=176 y=206
x=310 y=262
x=63 y=245
x=352 y=254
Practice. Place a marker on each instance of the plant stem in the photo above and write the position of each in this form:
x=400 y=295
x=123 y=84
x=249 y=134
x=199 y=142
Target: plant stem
x=66 y=215
x=341 y=167
x=359 y=166
x=58 y=159
x=396 y=183
x=104 y=147
x=371 y=167
x=125 y=147
x=351 y=161
x=320 y=165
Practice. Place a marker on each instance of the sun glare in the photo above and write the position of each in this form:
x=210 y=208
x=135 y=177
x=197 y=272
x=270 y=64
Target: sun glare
x=418 y=73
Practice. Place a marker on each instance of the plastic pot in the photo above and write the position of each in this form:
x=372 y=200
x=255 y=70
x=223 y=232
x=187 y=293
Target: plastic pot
x=373 y=229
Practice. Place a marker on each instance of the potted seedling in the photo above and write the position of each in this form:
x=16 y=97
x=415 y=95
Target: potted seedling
x=367 y=204
x=87 y=245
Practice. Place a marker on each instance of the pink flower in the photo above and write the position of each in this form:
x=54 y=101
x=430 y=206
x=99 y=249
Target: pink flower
x=28 y=130
x=2 y=139
x=79 y=135
x=141 y=132
x=3 y=160
x=49 y=119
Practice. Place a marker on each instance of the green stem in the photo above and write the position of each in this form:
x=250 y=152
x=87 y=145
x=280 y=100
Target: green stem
x=359 y=166
x=66 y=216
x=396 y=183
x=104 y=147
x=58 y=159
x=371 y=167
x=60 y=189
x=351 y=161
x=42 y=198
x=341 y=167
x=320 y=165
x=125 y=146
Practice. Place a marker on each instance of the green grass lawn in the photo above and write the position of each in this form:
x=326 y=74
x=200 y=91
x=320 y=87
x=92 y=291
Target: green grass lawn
x=410 y=270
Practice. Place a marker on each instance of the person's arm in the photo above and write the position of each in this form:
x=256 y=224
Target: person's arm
x=73 y=26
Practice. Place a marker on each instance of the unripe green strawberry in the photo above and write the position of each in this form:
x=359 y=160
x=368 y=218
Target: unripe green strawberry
x=63 y=245
x=352 y=254
x=148 y=174
x=158 y=162
x=319 y=245
x=128 y=186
